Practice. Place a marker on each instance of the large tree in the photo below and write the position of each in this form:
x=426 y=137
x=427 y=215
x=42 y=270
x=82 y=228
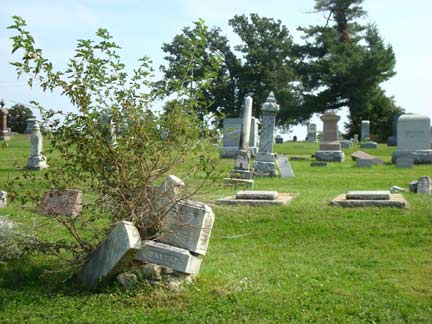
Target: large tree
x=343 y=63
x=264 y=64
x=18 y=115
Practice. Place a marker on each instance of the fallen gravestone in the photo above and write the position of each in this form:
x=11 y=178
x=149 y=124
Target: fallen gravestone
x=319 y=164
x=3 y=199
x=61 y=202
x=256 y=198
x=121 y=246
x=285 y=168
x=394 y=189
x=369 y=199
x=362 y=155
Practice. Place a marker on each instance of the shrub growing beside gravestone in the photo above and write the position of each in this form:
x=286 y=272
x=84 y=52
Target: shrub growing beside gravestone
x=114 y=146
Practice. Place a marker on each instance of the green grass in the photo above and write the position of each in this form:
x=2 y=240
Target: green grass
x=306 y=262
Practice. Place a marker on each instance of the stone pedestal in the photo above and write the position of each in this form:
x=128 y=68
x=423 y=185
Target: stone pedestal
x=330 y=148
x=413 y=139
x=264 y=164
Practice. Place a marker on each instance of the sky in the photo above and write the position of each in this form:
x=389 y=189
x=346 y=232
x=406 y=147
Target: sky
x=141 y=27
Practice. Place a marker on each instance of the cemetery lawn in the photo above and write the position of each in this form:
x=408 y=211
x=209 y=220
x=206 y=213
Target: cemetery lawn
x=304 y=262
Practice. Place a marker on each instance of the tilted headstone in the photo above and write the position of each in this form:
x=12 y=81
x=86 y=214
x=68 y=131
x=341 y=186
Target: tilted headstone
x=169 y=256
x=413 y=139
x=356 y=139
x=365 y=128
x=330 y=148
x=424 y=185
x=264 y=163
x=285 y=168
x=121 y=246
x=231 y=137
x=3 y=199
x=5 y=134
x=36 y=161
x=189 y=227
x=61 y=202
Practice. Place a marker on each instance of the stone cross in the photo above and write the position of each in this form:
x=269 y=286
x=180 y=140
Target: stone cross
x=36 y=160
x=264 y=163
x=365 y=128
x=5 y=135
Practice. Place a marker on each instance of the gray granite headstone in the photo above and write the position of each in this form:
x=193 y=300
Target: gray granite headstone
x=363 y=163
x=369 y=145
x=319 y=164
x=368 y=195
x=404 y=162
x=365 y=128
x=169 y=256
x=231 y=137
x=121 y=246
x=257 y=194
x=285 y=168
x=424 y=185
x=30 y=123
x=311 y=133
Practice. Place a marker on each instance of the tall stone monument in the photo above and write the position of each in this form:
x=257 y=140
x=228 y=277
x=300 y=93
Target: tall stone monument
x=5 y=134
x=311 y=133
x=30 y=122
x=242 y=161
x=36 y=160
x=413 y=139
x=264 y=164
x=365 y=129
x=330 y=148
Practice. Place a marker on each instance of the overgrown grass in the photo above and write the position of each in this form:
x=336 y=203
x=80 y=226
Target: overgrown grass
x=304 y=262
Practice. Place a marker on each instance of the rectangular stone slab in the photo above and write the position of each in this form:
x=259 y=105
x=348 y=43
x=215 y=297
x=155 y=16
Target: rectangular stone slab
x=169 y=256
x=368 y=195
x=396 y=200
x=61 y=202
x=189 y=226
x=257 y=194
x=121 y=246
x=282 y=199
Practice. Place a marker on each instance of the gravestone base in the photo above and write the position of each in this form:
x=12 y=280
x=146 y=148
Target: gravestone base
x=37 y=163
x=395 y=200
x=235 y=182
x=369 y=145
x=419 y=157
x=232 y=151
x=281 y=199
x=265 y=165
x=330 y=156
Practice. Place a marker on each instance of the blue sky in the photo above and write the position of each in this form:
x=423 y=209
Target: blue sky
x=141 y=27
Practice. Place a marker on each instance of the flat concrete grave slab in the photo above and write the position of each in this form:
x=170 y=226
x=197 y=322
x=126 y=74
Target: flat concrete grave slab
x=257 y=194
x=369 y=195
x=364 y=156
x=170 y=256
x=396 y=200
x=282 y=199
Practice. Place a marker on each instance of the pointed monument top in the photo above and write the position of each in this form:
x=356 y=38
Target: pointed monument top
x=270 y=103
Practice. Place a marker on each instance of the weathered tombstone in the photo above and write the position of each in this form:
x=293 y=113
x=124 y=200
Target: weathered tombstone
x=379 y=198
x=231 y=137
x=330 y=148
x=3 y=199
x=121 y=246
x=363 y=163
x=285 y=168
x=5 y=134
x=369 y=145
x=279 y=139
x=170 y=256
x=189 y=227
x=30 y=123
x=36 y=160
x=356 y=138
x=264 y=163
x=413 y=186
x=404 y=162
x=413 y=139
x=311 y=133
x=424 y=185
x=61 y=202
x=345 y=144
x=365 y=129
x=294 y=138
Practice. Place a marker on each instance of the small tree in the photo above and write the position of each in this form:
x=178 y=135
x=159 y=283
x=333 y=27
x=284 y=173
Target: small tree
x=115 y=146
x=18 y=115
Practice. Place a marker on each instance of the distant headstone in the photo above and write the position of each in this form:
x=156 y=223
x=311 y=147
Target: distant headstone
x=424 y=185
x=369 y=145
x=356 y=139
x=365 y=129
x=121 y=246
x=413 y=186
x=363 y=163
x=285 y=168
x=404 y=162
x=311 y=133
x=294 y=138
x=231 y=137
x=330 y=148
x=36 y=161
x=5 y=134
x=61 y=202
x=264 y=164
x=169 y=256
x=413 y=139
x=30 y=123
x=279 y=139
x=189 y=226
x=3 y=199
x=345 y=144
